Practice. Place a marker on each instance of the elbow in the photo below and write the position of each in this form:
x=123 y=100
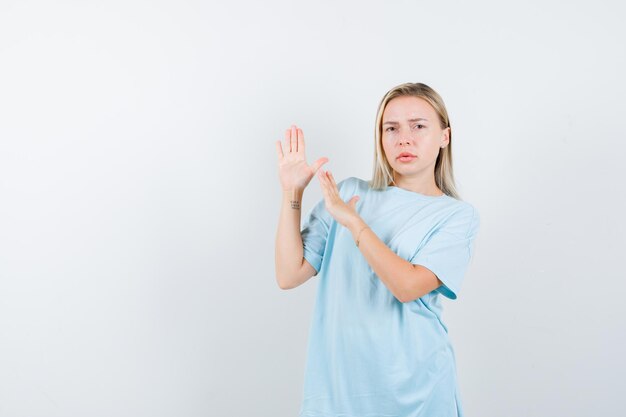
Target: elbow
x=283 y=283
x=406 y=297
x=400 y=295
x=403 y=298
x=403 y=293
x=412 y=294
x=282 y=278
x=416 y=285
x=409 y=294
x=287 y=279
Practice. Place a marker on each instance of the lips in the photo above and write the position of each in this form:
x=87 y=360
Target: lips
x=403 y=154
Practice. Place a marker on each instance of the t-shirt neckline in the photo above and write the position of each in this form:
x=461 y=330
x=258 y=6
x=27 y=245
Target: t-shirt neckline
x=414 y=193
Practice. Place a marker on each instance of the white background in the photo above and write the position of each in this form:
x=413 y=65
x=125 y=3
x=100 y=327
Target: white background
x=139 y=195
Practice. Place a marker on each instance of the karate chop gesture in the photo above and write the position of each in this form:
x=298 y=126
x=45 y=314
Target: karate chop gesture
x=294 y=172
x=344 y=213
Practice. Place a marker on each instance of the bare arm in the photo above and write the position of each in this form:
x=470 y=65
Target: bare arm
x=292 y=269
x=295 y=174
x=404 y=280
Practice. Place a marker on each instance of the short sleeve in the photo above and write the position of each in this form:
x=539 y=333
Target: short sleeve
x=315 y=231
x=448 y=251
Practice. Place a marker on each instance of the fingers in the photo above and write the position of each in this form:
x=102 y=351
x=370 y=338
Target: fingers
x=294 y=139
x=321 y=176
x=328 y=184
x=293 y=143
x=353 y=201
x=288 y=140
x=331 y=183
x=332 y=179
x=300 y=141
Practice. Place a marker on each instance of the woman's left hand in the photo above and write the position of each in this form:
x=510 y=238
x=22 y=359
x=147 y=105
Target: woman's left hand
x=344 y=213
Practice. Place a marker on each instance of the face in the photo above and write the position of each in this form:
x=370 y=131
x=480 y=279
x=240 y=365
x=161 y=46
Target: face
x=411 y=125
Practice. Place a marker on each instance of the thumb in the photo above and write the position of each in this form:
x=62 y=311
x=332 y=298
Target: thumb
x=317 y=164
x=353 y=200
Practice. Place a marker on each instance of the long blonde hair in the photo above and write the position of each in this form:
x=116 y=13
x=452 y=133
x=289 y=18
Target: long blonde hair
x=383 y=173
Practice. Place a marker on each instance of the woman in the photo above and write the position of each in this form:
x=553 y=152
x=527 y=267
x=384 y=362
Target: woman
x=385 y=251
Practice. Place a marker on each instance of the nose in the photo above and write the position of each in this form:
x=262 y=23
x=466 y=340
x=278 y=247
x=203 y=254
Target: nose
x=403 y=137
x=404 y=140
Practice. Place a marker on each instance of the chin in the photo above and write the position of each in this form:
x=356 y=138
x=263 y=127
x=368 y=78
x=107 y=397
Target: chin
x=413 y=171
x=406 y=168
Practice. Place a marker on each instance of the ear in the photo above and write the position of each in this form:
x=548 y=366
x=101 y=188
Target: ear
x=446 y=137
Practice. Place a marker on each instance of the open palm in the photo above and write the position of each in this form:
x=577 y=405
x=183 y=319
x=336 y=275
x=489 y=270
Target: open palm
x=293 y=170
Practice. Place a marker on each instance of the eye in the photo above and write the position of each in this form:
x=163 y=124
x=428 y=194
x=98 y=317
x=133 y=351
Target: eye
x=387 y=130
x=420 y=126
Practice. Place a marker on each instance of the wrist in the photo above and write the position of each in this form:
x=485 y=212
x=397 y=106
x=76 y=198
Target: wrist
x=293 y=197
x=359 y=235
x=293 y=192
x=355 y=226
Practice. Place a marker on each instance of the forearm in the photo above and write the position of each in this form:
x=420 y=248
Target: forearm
x=289 y=250
x=405 y=280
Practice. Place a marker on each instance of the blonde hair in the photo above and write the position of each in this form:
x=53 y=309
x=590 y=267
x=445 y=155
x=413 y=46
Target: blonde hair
x=383 y=173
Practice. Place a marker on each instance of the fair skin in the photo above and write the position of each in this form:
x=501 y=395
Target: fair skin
x=401 y=133
x=295 y=174
x=410 y=124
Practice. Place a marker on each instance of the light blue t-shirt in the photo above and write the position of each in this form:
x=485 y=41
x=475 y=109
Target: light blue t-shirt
x=369 y=355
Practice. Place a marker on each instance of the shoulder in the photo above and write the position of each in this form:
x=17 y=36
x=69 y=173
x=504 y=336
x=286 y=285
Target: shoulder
x=460 y=207
x=463 y=215
x=350 y=184
x=349 y=181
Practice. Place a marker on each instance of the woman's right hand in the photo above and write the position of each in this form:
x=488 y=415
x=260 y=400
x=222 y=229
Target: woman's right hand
x=294 y=172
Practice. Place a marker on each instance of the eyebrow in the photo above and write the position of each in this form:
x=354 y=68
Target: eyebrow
x=410 y=120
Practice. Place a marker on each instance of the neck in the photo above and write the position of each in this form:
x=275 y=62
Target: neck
x=421 y=186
